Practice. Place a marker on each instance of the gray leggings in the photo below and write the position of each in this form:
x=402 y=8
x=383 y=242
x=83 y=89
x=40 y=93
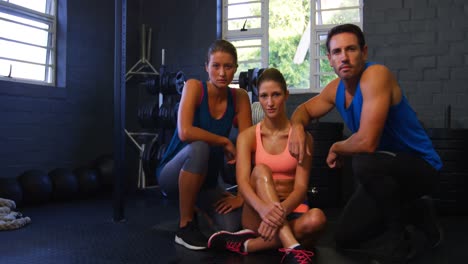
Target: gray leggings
x=194 y=158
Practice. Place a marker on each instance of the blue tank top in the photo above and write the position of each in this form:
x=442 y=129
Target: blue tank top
x=402 y=131
x=203 y=119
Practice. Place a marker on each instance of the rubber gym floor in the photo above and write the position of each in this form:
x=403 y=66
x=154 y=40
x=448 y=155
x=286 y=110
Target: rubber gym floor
x=83 y=232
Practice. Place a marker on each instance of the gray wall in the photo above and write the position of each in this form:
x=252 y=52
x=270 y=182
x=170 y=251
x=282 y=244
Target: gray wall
x=184 y=29
x=425 y=44
x=47 y=127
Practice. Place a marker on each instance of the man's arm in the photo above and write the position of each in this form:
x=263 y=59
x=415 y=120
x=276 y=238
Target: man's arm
x=301 y=181
x=380 y=91
x=315 y=107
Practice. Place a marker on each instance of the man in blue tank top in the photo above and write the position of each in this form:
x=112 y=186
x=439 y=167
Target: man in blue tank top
x=392 y=157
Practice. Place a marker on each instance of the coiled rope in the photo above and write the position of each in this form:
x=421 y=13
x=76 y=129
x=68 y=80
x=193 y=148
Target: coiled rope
x=9 y=219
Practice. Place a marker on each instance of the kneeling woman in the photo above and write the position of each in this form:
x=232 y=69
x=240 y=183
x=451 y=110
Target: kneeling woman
x=275 y=189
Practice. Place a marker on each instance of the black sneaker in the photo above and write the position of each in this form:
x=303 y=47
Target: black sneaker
x=297 y=255
x=191 y=237
x=423 y=216
x=232 y=241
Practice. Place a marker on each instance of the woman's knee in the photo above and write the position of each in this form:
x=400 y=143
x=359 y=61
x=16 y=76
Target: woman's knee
x=312 y=221
x=261 y=172
x=197 y=157
x=200 y=149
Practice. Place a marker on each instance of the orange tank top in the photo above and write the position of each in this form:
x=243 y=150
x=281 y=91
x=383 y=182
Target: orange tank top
x=283 y=165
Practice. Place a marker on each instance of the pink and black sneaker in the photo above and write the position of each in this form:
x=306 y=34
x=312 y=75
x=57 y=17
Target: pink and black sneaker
x=296 y=255
x=232 y=241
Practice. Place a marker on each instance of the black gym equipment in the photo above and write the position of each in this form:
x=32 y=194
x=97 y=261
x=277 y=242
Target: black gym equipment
x=156 y=114
x=165 y=115
x=147 y=144
x=325 y=183
x=88 y=182
x=104 y=167
x=64 y=184
x=148 y=114
x=36 y=186
x=171 y=82
x=149 y=160
x=248 y=81
x=450 y=196
x=451 y=144
x=152 y=85
x=11 y=189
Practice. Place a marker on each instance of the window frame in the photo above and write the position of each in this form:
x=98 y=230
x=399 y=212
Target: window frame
x=50 y=62
x=315 y=57
x=251 y=34
x=314 y=43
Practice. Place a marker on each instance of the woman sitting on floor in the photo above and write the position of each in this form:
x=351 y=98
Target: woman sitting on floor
x=275 y=190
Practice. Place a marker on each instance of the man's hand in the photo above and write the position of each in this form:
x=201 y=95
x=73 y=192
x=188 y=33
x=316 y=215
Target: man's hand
x=297 y=143
x=334 y=160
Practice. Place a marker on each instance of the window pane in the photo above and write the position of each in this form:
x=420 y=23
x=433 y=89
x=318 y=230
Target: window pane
x=250 y=23
x=37 y=5
x=251 y=53
x=245 y=10
x=24 y=33
x=27 y=28
x=22 y=52
x=327 y=4
x=323 y=49
x=240 y=1
x=248 y=42
x=24 y=21
x=326 y=79
x=245 y=13
x=338 y=17
x=288 y=25
x=324 y=66
x=22 y=70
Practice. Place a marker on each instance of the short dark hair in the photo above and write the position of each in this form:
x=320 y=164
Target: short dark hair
x=224 y=46
x=272 y=74
x=350 y=28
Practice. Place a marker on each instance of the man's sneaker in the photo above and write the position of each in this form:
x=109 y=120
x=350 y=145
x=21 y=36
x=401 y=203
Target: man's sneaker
x=297 y=255
x=423 y=216
x=232 y=241
x=191 y=237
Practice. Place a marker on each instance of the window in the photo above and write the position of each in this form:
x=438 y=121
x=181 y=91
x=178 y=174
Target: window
x=277 y=33
x=28 y=41
x=245 y=24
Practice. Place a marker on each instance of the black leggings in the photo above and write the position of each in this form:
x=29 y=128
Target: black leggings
x=386 y=182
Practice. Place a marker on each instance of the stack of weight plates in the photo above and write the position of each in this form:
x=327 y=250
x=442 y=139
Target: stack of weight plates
x=324 y=183
x=451 y=196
